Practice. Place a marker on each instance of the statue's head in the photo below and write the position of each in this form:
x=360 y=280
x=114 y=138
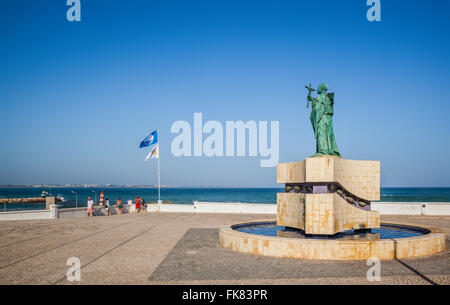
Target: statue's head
x=322 y=88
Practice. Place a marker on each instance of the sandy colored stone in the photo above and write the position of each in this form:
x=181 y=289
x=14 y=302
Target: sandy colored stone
x=359 y=177
x=329 y=249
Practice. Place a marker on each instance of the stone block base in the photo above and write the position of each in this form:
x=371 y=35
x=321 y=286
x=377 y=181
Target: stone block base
x=359 y=177
x=325 y=214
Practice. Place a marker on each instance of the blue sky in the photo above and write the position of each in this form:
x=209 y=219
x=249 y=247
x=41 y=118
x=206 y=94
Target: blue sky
x=77 y=98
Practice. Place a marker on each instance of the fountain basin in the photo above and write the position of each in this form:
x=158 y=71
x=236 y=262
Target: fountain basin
x=390 y=241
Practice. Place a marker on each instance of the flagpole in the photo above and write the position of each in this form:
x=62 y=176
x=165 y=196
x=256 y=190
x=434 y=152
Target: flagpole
x=159 y=156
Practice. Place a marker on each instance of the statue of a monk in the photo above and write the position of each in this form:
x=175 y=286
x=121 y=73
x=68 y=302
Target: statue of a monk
x=322 y=121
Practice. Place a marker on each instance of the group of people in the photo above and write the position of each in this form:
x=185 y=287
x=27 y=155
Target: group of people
x=140 y=204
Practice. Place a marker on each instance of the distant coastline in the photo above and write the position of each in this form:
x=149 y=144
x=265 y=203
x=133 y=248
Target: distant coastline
x=171 y=186
x=80 y=186
x=128 y=186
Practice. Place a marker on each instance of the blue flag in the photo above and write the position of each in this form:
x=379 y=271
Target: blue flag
x=150 y=139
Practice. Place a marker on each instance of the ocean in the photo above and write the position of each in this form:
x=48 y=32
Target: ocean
x=189 y=195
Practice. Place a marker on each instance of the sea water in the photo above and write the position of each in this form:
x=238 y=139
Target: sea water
x=189 y=195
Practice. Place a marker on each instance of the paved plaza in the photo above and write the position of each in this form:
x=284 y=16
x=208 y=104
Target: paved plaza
x=172 y=248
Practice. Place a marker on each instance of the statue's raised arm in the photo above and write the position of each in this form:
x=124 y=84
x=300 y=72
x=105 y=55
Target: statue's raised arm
x=309 y=97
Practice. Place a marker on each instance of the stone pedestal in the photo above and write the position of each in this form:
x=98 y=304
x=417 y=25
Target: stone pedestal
x=345 y=189
x=323 y=196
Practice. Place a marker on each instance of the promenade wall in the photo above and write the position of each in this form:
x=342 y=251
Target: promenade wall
x=385 y=208
x=411 y=208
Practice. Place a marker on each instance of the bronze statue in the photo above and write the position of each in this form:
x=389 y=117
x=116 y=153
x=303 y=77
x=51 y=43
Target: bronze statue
x=322 y=120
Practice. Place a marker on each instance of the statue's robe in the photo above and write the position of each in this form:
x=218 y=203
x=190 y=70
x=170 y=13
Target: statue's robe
x=322 y=121
x=316 y=113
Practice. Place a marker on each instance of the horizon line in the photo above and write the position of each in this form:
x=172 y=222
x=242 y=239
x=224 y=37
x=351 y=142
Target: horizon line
x=165 y=186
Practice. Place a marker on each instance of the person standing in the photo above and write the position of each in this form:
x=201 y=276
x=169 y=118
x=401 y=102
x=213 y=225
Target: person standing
x=119 y=205
x=137 y=205
x=143 y=205
x=108 y=205
x=90 y=207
